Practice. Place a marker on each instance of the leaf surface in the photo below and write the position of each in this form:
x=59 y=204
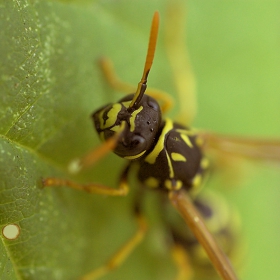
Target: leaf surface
x=50 y=84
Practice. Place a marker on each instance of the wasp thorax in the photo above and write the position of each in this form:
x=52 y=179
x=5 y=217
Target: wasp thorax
x=141 y=125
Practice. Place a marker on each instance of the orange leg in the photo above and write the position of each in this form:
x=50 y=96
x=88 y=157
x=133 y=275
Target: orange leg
x=122 y=254
x=179 y=60
x=96 y=154
x=184 y=205
x=181 y=259
x=122 y=190
x=90 y=187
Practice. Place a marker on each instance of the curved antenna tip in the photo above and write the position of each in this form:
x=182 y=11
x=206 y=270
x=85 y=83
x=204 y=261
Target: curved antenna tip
x=149 y=61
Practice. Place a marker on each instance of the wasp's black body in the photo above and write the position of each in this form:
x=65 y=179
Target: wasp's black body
x=170 y=159
x=176 y=160
x=169 y=154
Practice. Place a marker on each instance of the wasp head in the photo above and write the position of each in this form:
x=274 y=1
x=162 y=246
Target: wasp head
x=141 y=125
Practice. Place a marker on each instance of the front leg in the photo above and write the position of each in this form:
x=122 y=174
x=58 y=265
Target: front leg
x=122 y=190
x=119 y=257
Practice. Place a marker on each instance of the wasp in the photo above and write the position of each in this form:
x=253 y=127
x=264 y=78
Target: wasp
x=169 y=158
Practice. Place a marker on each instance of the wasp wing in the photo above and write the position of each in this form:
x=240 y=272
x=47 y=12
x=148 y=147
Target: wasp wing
x=242 y=147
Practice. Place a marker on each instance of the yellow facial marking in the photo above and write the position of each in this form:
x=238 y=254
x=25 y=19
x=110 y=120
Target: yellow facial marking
x=135 y=156
x=178 y=157
x=152 y=156
x=118 y=128
x=112 y=116
x=100 y=117
x=186 y=140
x=132 y=118
x=115 y=128
x=152 y=182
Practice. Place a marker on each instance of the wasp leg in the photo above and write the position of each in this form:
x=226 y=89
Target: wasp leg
x=183 y=203
x=179 y=61
x=121 y=255
x=122 y=190
x=126 y=249
x=181 y=259
x=96 y=154
x=76 y=165
x=90 y=187
x=115 y=82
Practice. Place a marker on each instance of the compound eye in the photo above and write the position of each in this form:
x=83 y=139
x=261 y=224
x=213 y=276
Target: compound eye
x=153 y=104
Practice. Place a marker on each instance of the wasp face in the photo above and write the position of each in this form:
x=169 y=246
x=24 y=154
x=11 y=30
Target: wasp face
x=141 y=125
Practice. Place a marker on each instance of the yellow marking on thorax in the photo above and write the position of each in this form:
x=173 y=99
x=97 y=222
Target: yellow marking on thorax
x=178 y=157
x=191 y=132
x=152 y=182
x=187 y=140
x=170 y=186
x=135 y=156
x=196 y=182
x=171 y=170
x=152 y=156
x=132 y=118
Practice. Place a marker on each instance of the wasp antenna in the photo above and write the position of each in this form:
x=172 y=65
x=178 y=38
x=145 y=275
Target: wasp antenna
x=142 y=85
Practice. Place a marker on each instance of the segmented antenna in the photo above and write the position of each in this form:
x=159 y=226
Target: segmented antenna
x=142 y=85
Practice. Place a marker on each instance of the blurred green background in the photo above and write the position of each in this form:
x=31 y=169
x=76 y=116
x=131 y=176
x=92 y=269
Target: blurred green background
x=50 y=84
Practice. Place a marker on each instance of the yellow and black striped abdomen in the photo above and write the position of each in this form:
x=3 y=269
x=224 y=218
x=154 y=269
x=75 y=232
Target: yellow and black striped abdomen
x=176 y=160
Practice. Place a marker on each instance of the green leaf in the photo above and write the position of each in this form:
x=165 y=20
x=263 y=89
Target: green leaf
x=50 y=84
